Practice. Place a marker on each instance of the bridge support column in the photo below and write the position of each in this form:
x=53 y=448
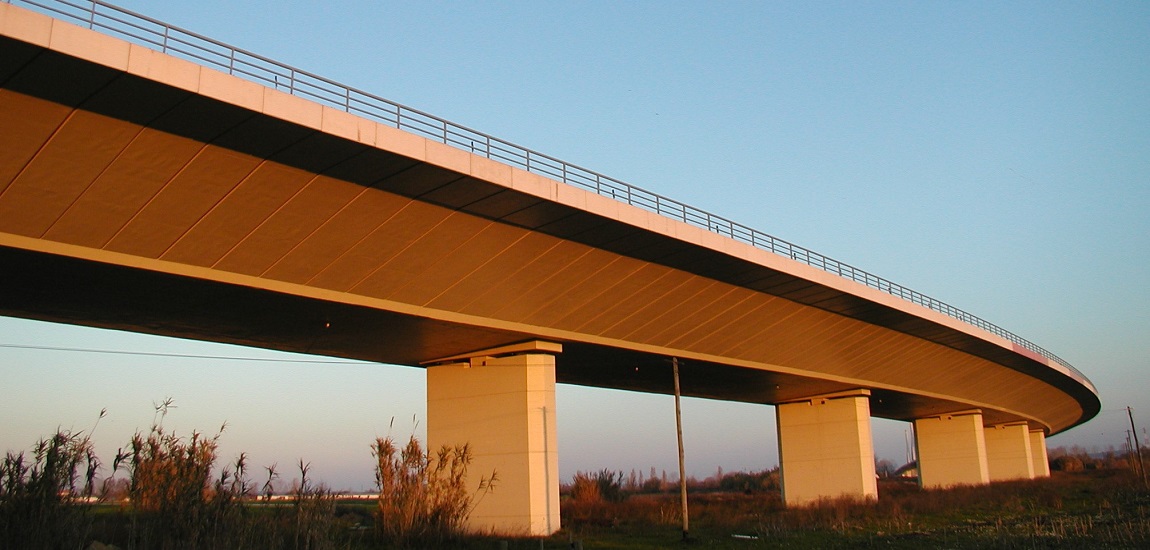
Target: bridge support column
x=502 y=403
x=825 y=448
x=1038 y=453
x=951 y=450
x=1008 y=454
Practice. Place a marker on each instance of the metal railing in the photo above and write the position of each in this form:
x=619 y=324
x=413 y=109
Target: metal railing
x=143 y=30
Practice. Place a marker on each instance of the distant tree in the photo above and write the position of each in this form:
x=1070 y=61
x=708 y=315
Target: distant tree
x=632 y=481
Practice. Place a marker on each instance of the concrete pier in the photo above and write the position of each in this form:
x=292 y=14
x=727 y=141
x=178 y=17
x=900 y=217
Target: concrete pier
x=1008 y=454
x=1038 y=453
x=951 y=450
x=825 y=448
x=504 y=408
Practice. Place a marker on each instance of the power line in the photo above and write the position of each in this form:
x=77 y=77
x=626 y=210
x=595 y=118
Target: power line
x=186 y=355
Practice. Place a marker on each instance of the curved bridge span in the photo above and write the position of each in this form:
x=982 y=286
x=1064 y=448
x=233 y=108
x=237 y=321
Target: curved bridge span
x=160 y=192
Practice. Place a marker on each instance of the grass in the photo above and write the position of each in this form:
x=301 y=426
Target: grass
x=1093 y=508
x=180 y=497
x=39 y=493
x=175 y=495
x=423 y=500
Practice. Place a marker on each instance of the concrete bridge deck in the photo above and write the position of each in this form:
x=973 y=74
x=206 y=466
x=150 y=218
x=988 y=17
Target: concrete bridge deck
x=144 y=192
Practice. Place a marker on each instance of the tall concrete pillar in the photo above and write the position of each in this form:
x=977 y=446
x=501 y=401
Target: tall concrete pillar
x=825 y=448
x=1038 y=453
x=503 y=406
x=1008 y=452
x=951 y=450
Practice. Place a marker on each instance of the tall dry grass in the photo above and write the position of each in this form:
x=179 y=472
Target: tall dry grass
x=169 y=499
x=602 y=486
x=1094 y=508
x=172 y=499
x=171 y=493
x=424 y=500
x=311 y=518
x=607 y=499
x=39 y=493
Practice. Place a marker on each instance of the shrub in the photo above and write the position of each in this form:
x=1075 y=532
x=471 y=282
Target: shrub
x=1067 y=464
x=651 y=485
x=751 y=482
x=602 y=486
x=584 y=489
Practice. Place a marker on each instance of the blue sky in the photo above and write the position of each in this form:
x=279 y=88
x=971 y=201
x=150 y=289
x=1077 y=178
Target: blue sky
x=992 y=155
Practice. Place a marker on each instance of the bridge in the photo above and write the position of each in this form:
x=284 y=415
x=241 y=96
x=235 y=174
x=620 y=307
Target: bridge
x=155 y=180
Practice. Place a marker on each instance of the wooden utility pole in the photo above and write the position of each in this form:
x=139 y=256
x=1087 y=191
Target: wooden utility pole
x=1137 y=445
x=679 y=432
x=1130 y=455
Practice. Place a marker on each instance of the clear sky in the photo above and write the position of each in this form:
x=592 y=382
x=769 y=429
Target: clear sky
x=993 y=155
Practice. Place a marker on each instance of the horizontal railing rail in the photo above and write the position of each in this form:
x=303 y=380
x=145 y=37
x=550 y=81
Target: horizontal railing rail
x=145 y=31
